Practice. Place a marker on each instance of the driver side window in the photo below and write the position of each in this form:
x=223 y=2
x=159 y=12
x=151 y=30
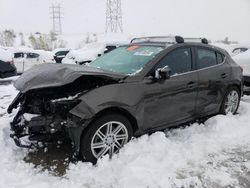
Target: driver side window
x=179 y=61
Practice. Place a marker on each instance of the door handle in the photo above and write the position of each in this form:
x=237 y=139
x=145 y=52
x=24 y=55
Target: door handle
x=223 y=75
x=191 y=84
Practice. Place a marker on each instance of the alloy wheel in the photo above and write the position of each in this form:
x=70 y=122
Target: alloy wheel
x=232 y=102
x=109 y=138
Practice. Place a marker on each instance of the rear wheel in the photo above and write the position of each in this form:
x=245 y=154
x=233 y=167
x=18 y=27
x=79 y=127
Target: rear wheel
x=231 y=101
x=106 y=135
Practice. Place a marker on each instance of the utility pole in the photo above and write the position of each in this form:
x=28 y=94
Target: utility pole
x=56 y=16
x=114 y=16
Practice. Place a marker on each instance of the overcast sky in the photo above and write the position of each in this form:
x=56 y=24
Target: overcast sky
x=214 y=19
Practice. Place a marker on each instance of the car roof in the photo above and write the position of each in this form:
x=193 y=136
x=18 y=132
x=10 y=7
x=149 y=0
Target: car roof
x=168 y=41
x=167 y=45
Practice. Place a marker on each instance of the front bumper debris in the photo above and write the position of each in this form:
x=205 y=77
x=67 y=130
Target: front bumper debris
x=18 y=142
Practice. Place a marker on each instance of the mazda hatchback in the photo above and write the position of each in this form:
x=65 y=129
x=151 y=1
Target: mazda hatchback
x=150 y=85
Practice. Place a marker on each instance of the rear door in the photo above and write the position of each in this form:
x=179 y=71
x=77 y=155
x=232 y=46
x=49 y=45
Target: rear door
x=19 y=61
x=172 y=101
x=214 y=73
x=31 y=60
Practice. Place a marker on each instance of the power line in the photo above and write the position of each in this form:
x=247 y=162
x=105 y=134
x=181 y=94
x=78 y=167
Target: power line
x=114 y=16
x=56 y=16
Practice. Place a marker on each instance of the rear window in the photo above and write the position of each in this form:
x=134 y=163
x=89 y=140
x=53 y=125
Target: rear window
x=18 y=55
x=109 y=49
x=239 y=50
x=206 y=58
x=62 y=53
x=32 y=55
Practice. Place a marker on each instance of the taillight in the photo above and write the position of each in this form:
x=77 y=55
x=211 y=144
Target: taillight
x=241 y=68
x=10 y=62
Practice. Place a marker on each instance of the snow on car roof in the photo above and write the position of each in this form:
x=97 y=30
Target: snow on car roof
x=60 y=49
x=241 y=46
x=21 y=49
x=227 y=47
x=243 y=59
x=88 y=53
x=230 y=47
x=47 y=56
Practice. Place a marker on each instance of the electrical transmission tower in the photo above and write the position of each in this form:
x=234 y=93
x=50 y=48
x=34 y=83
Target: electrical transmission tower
x=114 y=16
x=56 y=16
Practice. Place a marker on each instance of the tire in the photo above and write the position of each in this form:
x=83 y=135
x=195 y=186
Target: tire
x=95 y=145
x=234 y=100
x=247 y=83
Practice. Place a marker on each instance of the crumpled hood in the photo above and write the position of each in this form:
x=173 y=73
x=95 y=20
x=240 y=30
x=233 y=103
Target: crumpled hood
x=53 y=75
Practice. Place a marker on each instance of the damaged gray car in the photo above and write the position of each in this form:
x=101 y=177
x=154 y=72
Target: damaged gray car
x=149 y=85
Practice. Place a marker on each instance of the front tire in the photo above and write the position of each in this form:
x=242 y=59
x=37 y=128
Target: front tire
x=231 y=101
x=106 y=135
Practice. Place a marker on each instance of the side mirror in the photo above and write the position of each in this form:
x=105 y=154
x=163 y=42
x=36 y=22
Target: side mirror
x=163 y=73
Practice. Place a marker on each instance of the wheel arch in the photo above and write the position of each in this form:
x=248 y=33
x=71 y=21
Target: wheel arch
x=239 y=86
x=118 y=110
x=110 y=110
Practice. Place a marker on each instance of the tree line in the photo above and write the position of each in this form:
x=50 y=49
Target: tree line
x=9 y=38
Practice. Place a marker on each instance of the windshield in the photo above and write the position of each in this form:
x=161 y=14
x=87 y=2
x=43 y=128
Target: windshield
x=127 y=60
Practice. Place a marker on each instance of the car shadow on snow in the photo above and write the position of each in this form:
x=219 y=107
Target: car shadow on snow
x=54 y=158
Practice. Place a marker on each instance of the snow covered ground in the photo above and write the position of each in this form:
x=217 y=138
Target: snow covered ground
x=213 y=154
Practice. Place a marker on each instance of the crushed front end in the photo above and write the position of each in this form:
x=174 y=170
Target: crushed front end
x=47 y=94
x=44 y=113
x=42 y=118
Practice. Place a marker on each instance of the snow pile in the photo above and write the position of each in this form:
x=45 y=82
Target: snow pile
x=214 y=154
x=6 y=56
x=45 y=56
x=237 y=47
x=243 y=59
x=24 y=49
x=60 y=49
x=186 y=157
x=87 y=53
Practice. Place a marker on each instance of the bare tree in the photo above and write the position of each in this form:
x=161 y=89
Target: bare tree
x=22 y=40
x=7 y=38
x=45 y=41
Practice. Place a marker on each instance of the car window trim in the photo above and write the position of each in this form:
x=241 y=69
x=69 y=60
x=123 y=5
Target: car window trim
x=197 y=70
x=193 y=71
x=180 y=47
x=207 y=48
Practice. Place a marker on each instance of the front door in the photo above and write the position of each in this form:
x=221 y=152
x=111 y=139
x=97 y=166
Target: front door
x=172 y=101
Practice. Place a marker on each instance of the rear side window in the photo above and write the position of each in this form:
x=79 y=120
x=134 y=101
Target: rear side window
x=18 y=55
x=32 y=55
x=179 y=60
x=206 y=58
x=109 y=49
x=62 y=53
x=220 y=58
